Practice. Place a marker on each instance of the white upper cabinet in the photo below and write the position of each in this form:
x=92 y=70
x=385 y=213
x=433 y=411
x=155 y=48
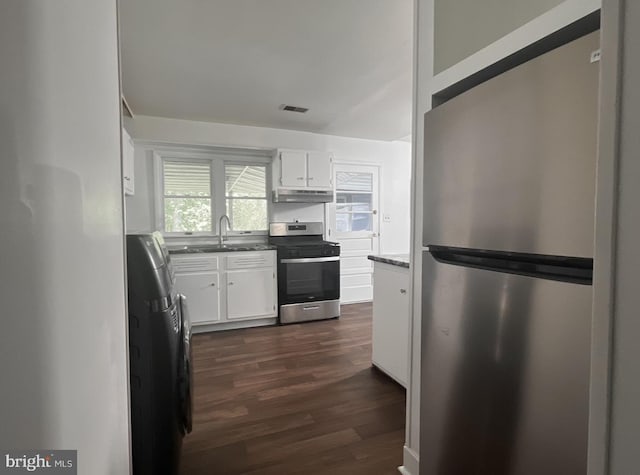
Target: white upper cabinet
x=299 y=169
x=128 y=152
x=319 y=170
x=293 y=169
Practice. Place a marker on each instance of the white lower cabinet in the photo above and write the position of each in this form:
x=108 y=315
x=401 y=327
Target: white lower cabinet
x=225 y=289
x=203 y=295
x=251 y=293
x=391 y=320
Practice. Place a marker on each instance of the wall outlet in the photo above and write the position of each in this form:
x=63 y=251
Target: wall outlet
x=386 y=218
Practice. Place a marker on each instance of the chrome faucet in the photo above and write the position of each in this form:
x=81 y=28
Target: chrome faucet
x=223 y=217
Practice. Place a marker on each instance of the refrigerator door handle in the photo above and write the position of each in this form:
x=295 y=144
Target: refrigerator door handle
x=576 y=270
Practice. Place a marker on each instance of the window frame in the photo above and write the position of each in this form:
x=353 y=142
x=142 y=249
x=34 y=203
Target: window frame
x=232 y=162
x=212 y=195
x=372 y=211
x=218 y=159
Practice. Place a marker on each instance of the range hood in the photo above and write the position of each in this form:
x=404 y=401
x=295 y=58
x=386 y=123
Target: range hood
x=281 y=195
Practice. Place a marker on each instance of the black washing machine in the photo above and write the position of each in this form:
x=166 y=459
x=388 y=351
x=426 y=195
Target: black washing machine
x=159 y=357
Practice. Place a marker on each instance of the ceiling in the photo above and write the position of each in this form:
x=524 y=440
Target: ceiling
x=239 y=61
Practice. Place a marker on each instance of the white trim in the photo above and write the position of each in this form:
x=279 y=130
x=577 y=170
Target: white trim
x=411 y=462
x=537 y=29
x=423 y=40
x=606 y=234
x=357 y=163
x=125 y=104
x=235 y=324
x=350 y=302
x=257 y=152
x=158 y=190
x=219 y=157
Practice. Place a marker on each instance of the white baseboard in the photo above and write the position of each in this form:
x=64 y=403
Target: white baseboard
x=234 y=325
x=353 y=302
x=411 y=462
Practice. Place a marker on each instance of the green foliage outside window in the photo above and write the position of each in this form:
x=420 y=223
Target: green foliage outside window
x=187 y=215
x=190 y=204
x=247 y=214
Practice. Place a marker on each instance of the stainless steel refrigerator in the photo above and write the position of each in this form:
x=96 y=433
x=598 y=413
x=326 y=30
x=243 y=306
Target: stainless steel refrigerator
x=509 y=191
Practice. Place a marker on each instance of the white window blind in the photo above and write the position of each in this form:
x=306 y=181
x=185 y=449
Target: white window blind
x=188 y=199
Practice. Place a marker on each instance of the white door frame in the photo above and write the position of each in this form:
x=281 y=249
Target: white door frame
x=366 y=290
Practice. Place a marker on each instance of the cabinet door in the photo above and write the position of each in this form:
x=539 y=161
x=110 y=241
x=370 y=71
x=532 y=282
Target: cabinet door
x=319 y=170
x=391 y=321
x=293 y=169
x=128 y=152
x=203 y=295
x=251 y=293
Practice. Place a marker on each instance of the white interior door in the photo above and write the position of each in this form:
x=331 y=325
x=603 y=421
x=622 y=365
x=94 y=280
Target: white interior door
x=353 y=221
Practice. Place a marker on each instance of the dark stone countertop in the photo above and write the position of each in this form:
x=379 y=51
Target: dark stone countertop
x=400 y=260
x=207 y=248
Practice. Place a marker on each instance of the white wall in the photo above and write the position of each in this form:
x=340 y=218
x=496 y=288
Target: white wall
x=466 y=26
x=426 y=84
x=393 y=157
x=63 y=343
x=624 y=457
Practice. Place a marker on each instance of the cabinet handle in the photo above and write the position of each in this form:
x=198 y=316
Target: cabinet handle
x=300 y=178
x=213 y=284
x=403 y=291
x=230 y=283
x=310 y=178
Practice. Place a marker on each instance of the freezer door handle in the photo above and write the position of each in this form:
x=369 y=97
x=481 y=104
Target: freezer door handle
x=576 y=270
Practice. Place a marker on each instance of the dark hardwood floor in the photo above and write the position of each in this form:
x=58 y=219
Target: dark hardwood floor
x=296 y=399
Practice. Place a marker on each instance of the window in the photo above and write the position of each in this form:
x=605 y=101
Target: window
x=246 y=197
x=196 y=192
x=354 y=198
x=187 y=196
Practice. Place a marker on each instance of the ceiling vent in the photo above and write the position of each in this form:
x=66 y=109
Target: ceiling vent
x=302 y=110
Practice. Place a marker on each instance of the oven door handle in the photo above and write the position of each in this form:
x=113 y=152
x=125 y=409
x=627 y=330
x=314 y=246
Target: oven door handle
x=307 y=260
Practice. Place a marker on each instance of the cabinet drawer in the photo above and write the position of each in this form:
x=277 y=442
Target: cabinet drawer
x=250 y=259
x=187 y=264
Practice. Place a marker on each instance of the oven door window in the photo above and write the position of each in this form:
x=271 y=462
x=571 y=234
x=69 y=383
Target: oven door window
x=311 y=281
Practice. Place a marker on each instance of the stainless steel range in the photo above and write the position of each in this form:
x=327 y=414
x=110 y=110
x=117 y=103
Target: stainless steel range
x=308 y=272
